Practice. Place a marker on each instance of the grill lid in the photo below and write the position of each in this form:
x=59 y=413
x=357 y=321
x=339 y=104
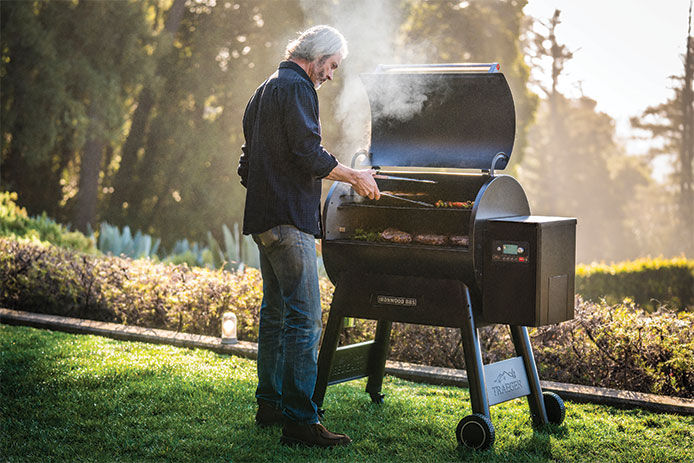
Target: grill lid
x=440 y=115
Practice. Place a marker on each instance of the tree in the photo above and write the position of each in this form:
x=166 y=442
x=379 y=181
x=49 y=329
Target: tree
x=68 y=69
x=38 y=114
x=574 y=166
x=125 y=178
x=474 y=31
x=542 y=45
x=672 y=123
x=183 y=179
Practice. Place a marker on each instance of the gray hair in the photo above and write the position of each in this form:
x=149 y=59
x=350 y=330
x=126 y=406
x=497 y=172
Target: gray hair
x=317 y=42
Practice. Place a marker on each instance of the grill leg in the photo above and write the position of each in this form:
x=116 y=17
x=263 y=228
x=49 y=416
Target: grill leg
x=521 y=341
x=473 y=359
x=377 y=360
x=331 y=338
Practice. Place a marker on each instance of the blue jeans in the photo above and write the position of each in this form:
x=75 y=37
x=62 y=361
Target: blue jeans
x=290 y=322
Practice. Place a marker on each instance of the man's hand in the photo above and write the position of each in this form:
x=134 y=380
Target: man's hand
x=361 y=180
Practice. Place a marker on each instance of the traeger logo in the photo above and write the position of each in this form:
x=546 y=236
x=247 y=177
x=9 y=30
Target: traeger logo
x=507 y=382
x=396 y=300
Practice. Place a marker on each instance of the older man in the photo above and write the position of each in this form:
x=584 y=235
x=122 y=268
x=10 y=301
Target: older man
x=282 y=165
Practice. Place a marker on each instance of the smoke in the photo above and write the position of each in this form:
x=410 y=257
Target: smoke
x=397 y=99
x=372 y=31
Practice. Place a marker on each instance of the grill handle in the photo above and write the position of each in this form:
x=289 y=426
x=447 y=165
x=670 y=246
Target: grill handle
x=360 y=159
x=499 y=155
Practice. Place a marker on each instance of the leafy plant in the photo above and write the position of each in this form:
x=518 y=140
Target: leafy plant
x=113 y=241
x=650 y=283
x=617 y=346
x=14 y=221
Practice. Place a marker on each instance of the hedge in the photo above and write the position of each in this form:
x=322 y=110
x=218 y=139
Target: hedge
x=617 y=346
x=14 y=221
x=650 y=283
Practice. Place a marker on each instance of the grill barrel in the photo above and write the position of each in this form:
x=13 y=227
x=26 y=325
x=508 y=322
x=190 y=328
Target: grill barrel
x=344 y=214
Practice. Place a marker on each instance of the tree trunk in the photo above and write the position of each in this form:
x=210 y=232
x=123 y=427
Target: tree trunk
x=129 y=165
x=90 y=166
x=687 y=148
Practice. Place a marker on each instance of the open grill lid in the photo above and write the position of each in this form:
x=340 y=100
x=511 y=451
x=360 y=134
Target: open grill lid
x=440 y=115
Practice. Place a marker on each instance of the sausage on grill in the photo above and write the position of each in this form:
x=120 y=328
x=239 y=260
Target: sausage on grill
x=435 y=240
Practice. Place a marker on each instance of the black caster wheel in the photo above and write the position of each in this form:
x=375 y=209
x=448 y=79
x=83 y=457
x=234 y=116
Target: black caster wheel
x=377 y=398
x=476 y=432
x=554 y=405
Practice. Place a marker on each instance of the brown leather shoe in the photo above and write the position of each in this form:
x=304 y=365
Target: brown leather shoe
x=267 y=415
x=312 y=435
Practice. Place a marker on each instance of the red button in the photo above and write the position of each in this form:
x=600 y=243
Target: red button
x=521 y=259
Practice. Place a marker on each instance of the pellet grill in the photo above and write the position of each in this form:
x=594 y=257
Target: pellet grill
x=451 y=243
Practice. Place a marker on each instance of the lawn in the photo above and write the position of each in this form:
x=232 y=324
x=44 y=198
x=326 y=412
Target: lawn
x=87 y=398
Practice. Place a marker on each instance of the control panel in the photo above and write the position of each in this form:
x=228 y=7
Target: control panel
x=510 y=251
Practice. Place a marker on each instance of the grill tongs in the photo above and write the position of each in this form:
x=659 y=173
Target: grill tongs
x=404 y=179
x=391 y=195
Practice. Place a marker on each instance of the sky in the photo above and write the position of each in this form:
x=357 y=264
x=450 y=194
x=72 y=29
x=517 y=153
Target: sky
x=624 y=51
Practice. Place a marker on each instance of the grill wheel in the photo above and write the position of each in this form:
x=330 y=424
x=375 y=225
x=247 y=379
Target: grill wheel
x=476 y=432
x=555 y=408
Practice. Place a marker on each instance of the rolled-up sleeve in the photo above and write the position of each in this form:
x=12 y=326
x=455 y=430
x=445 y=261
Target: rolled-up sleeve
x=304 y=133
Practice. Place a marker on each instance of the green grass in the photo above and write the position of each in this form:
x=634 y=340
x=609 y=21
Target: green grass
x=86 y=398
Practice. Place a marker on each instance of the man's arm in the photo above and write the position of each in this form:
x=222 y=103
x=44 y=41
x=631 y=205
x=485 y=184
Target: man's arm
x=361 y=180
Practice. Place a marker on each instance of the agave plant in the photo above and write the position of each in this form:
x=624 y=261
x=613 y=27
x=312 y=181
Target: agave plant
x=123 y=243
x=239 y=250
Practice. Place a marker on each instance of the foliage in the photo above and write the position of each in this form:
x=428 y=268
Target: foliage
x=67 y=70
x=618 y=346
x=576 y=166
x=47 y=279
x=147 y=127
x=478 y=31
x=15 y=222
x=591 y=349
x=650 y=283
x=238 y=251
x=183 y=176
x=574 y=152
x=144 y=402
x=672 y=124
x=113 y=241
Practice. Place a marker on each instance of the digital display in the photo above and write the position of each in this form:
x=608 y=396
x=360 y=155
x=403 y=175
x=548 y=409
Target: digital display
x=510 y=249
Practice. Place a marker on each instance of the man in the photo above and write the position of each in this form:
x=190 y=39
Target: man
x=282 y=165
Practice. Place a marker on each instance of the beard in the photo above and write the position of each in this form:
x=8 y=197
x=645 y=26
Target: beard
x=317 y=74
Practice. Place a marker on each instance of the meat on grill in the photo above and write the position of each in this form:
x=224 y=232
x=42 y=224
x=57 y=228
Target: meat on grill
x=396 y=236
x=435 y=240
x=459 y=240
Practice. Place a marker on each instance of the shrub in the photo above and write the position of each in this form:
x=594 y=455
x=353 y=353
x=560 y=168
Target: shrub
x=650 y=283
x=47 y=279
x=617 y=346
x=14 y=221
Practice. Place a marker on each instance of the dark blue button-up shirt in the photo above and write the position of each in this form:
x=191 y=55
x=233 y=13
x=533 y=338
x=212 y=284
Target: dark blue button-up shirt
x=283 y=160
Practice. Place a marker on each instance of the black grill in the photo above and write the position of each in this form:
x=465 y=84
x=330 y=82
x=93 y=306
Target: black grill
x=450 y=244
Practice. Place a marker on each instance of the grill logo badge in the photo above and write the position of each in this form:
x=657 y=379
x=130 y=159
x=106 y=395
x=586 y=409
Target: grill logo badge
x=506 y=382
x=396 y=300
x=509 y=380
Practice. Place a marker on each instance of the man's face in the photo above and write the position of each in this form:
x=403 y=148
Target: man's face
x=322 y=69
